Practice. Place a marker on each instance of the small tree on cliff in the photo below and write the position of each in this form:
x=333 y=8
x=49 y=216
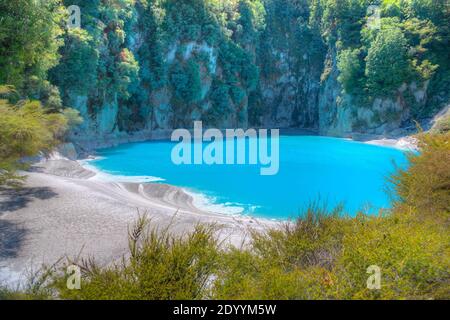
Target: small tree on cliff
x=387 y=65
x=25 y=130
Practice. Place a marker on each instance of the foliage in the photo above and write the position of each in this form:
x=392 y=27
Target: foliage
x=127 y=73
x=220 y=103
x=78 y=64
x=128 y=52
x=150 y=56
x=428 y=175
x=409 y=47
x=72 y=117
x=186 y=85
x=190 y=20
x=29 y=39
x=160 y=266
x=442 y=124
x=387 y=65
x=325 y=256
x=186 y=81
x=341 y=20
x=25 y=130
x=350 y=71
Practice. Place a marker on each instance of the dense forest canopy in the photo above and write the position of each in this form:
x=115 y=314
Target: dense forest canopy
x=322 y=255
x=164 y=63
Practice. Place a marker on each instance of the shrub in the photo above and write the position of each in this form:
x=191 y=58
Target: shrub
x=160 y=266
x=442 y=125
x=351 y=71
x=426 y=184
x=25 y=130
x=387 y=65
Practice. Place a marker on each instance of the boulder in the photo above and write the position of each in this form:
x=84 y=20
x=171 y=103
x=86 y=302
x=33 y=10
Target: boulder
x=68 y=151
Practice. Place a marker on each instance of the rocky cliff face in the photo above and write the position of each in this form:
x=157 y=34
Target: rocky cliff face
x=342 y=115
x=162 y=74
x=290 y=99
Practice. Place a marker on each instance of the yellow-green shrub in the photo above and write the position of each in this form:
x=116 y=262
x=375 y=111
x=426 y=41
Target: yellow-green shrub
x=160 y=266
x=25 y=129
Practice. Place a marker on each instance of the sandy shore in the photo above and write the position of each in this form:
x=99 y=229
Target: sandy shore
x=406 y=143
x=65 y=209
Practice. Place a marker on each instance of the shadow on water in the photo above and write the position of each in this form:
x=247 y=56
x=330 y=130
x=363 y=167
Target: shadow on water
x=15 y=199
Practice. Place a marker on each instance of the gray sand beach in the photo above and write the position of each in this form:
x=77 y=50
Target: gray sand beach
x=65 y=210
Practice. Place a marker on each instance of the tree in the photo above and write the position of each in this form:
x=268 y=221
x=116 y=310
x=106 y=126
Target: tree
x=351 y=71
x=387 y=65
x=77 y=70
x=127 y=72
x=185 y=80
x=29 y=39
x=25 y=130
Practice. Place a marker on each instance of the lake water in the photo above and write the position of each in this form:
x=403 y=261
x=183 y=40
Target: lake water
x=336 y=171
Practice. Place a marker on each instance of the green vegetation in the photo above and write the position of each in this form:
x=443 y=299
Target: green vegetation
x=442 y=124
x=427 y=176
x=409 y=44
x=186 y=85
x=32 y=116
x=25 y=129
x=129 y=53
x=387 y=64
x=78 y=62
x=29 y=41
x=350 y=70
x=160 y=266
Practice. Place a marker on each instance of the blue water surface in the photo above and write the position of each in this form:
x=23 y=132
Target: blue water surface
x=336 y=171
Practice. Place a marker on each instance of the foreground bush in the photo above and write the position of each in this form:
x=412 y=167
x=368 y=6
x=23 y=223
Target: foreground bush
x=426 y=184
x=27 y=128
x=329 y=260
x=160 y=266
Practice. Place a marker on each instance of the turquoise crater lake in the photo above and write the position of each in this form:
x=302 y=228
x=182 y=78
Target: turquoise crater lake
x=334 y=170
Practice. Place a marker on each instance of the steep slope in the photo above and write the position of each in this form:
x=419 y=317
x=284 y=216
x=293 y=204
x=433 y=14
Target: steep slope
x=147 y=66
